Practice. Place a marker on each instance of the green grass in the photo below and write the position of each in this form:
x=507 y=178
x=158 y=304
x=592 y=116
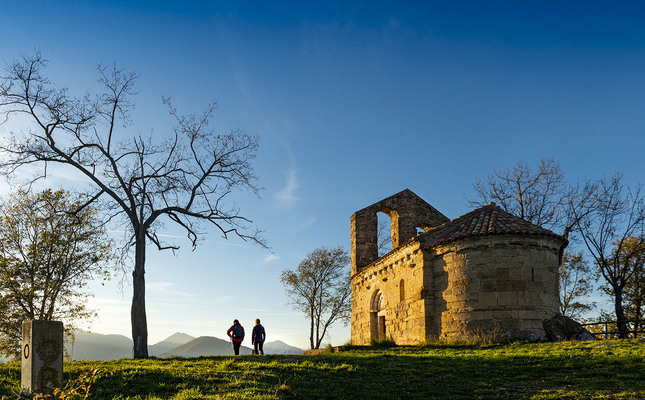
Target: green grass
x=569 y=370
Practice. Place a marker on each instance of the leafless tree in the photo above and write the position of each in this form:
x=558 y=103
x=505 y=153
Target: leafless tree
x=383 y=237
x=613 y=233
x=538 y=197
x=184 y=177
x=543 y=197
x=576 y=283
x=320 y=288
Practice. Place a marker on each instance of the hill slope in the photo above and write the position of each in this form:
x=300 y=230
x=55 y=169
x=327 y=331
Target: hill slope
x=95 y=347
x=279 y=347
x=98 y=347
x=204 y=346
x=174 y=340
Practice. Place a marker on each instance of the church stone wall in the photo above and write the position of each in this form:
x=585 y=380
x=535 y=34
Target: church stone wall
x=405 y=308
x=500 y=286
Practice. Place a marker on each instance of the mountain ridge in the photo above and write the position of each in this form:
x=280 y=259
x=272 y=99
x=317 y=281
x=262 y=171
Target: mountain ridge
x=102 y=347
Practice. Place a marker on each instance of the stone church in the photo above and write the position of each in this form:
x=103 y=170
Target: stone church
x=484 y=274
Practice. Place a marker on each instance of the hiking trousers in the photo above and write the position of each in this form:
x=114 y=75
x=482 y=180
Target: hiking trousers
x=258 y=347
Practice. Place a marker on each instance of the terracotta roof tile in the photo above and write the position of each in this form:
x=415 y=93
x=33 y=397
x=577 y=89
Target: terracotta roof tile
x=487 y=220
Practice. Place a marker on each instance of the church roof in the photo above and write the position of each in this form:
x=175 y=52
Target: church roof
x=487 y=220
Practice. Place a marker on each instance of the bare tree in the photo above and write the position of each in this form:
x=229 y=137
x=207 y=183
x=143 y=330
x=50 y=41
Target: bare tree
x=634 y=291
x=538 y=197
x=543 y=197
x=320 y=288
x=575 y=285
x=383 y=237
x=613 y=233
x=184 y=177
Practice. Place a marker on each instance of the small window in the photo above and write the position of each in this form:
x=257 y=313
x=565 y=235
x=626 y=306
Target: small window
x=402 y=290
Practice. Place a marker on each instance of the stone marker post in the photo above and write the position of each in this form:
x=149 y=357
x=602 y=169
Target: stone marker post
x=42 y=356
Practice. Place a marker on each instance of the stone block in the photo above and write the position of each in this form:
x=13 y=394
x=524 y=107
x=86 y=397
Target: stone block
x=42 y=356
x=487 y=299
x=504 y=286
x=502 y=274
x=502 y=314
x=488 y=286
x=477 y=315
x=507 y=298
x=527 y=314
x=485 y=271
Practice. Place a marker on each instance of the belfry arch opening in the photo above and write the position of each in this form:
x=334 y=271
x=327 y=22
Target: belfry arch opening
x=377 y=316
x=421 y=228
x=384 y=233
x=405 y=210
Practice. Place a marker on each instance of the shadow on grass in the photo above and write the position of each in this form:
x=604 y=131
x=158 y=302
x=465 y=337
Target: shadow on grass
x=433 y=371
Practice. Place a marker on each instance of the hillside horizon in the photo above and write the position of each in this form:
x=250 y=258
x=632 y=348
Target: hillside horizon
x=103 y=347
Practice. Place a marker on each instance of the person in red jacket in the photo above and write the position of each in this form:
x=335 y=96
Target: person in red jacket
x=236 y=333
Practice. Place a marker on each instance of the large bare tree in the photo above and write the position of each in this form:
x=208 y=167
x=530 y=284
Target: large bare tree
x=543 y=197
x=614 y=235
x=536 y=196
x=183 y=177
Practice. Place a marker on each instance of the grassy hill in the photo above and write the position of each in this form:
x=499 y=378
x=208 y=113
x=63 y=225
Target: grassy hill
x=569 y=370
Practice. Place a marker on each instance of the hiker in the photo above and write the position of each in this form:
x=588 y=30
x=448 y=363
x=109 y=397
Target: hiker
x=257 y=337
x=236 y=333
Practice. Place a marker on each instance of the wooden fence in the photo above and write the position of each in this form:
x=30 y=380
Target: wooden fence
x=609 y=329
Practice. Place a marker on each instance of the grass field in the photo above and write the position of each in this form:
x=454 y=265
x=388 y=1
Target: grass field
x=568 y=370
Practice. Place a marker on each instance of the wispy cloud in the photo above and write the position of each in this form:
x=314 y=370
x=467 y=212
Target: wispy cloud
x=287 y=195
x=271 y=257
x=308 y=223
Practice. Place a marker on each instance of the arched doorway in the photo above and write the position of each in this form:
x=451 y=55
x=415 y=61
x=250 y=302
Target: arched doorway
x=377 y=314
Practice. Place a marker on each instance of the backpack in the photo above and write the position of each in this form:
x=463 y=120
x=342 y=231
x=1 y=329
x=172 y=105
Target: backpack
x=237 y=331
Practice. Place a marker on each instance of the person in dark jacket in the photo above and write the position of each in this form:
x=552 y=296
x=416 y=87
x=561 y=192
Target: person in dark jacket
x=236 y=333
x=257 y=337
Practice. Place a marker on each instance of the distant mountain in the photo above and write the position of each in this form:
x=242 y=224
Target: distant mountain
x=204 y=346
x=97 y=347
x=175 y=340
x=279 y=347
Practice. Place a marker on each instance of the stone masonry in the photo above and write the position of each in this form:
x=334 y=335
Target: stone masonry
x=484 y=274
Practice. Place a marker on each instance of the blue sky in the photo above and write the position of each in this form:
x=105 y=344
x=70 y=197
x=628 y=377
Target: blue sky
x=353 y=102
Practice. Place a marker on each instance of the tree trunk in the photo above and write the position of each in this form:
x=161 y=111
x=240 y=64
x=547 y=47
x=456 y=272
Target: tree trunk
x=311 y=331
x=138 y=311
x=621 y=321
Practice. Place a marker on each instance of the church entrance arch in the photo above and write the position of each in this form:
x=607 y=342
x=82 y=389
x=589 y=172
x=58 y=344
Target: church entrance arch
x=377 y=316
